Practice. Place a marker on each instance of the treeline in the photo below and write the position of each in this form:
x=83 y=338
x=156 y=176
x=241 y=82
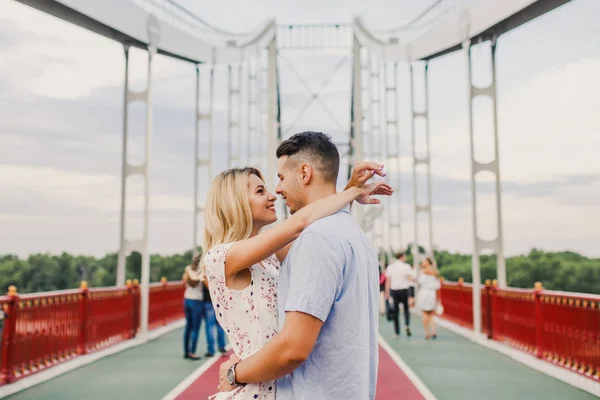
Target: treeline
x=44 y=272
x=566 y=271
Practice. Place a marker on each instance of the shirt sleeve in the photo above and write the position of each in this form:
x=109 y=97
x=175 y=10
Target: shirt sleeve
x=388 y=272
x=316 y=276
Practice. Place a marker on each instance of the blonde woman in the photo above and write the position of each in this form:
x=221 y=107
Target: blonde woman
x=242 y=265
x=428 y=296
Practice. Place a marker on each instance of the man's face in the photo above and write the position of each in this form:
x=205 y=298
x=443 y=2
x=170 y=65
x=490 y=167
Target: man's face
x=290 y=186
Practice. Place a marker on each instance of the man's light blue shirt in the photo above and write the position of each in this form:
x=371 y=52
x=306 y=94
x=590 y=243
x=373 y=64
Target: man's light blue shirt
x=331 y=273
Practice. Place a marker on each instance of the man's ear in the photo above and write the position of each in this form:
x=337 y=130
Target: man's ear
x=306 y=173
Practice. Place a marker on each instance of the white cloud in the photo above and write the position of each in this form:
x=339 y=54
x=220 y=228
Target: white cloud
x=549 y=116
x=60 y=127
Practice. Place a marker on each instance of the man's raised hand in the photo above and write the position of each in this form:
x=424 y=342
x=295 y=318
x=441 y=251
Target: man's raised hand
x=372 y=189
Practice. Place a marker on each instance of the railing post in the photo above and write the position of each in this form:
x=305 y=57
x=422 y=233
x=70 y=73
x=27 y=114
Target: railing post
x=136 y=307
x=538 y=319
x=488 y=307
x=83 y=317
x=131 y=294
x=8 y=335
x=494 y=305
x=164 y=304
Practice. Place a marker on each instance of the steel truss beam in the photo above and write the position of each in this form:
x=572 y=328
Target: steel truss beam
x=234 y=101
x=356 y=116
x=314 y=95
x=426 y=161
x=365 y=123
x=392 y=146
x=315 y=36
x=497 y=244
x=203 y=162
x=376 y=134
x=273 y=122
x=139 y=245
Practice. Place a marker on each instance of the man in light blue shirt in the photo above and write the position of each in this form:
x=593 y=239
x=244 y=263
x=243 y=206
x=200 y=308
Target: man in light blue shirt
x=328 y=291
x=331 y=274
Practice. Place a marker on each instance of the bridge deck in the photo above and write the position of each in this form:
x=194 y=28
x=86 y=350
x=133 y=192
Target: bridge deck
x=451 y=367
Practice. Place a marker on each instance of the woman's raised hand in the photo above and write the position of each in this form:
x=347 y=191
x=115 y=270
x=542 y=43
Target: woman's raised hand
x=363 y=171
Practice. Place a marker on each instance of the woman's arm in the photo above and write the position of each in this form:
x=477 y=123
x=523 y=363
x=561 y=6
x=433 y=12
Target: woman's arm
x=283 y=252
x=246 y=253
x=361 y=173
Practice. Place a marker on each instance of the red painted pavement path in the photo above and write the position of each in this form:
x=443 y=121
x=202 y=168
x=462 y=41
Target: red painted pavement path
x=392 y=383
x=206 y=384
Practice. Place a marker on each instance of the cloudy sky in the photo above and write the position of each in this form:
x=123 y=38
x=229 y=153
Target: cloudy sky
x=61 y=91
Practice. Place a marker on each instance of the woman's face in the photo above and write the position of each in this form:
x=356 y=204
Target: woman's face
x=262 y=203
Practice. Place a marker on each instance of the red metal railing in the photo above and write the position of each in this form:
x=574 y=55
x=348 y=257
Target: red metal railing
x=514 y=318
x=44 y=329
x=5 y=328
x=458 y=303
x=569 y=330
x=165 y=303
x=563 y=328
x=107 y=317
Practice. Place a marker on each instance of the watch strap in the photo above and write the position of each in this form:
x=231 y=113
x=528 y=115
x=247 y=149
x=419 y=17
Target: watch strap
x=235 y=381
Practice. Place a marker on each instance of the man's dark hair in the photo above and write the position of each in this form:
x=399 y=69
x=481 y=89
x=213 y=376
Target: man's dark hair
x=316 y=147
x=399 y=255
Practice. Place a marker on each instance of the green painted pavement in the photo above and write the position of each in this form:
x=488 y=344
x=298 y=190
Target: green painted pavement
x=147 y=372
x=453 y=367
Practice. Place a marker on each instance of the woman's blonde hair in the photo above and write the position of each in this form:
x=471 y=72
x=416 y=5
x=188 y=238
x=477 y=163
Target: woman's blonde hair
x=227 y=214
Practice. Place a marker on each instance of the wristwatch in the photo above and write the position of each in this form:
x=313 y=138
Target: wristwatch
x=231 y=376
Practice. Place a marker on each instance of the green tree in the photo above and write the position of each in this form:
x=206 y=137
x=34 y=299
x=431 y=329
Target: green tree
x=566 y=271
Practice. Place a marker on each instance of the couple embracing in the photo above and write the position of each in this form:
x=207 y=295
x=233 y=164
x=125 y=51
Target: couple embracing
x=298 y=301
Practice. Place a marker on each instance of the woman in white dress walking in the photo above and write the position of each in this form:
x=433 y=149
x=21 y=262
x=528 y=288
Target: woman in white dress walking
x=428 y=296
x=242 y=265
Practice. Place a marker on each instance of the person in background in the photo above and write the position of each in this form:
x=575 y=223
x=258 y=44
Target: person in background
x=411 y=288
x=194 y=310
x=381 y=290
x=428 y=295
x=399 y=275
x=211 y=323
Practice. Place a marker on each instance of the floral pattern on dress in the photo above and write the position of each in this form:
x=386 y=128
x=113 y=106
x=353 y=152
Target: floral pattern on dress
x=248 y=316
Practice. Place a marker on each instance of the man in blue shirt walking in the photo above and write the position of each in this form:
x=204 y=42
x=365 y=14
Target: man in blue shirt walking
x=328 y=291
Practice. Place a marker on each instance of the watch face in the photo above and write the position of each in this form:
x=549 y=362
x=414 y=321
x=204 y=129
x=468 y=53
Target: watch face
x=231 y=376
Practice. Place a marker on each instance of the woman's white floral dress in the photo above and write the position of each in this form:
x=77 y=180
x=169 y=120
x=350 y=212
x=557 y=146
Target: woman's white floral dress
x=248 y=316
